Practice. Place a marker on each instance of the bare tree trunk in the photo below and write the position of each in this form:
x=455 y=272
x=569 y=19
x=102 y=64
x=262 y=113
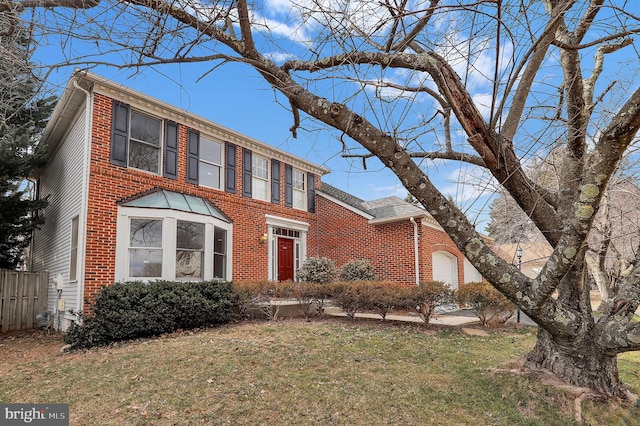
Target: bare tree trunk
x=576 y=357
x=579 y=362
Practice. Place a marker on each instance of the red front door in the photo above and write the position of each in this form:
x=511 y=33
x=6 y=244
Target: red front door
x=285 y=259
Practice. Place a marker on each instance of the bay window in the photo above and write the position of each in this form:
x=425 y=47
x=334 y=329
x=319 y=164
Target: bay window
x=171 y=236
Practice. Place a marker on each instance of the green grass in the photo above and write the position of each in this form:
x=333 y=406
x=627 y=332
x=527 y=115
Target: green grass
x=296 y=372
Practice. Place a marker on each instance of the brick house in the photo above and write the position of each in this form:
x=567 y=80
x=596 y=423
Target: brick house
x=402 y=241
x=141 y=190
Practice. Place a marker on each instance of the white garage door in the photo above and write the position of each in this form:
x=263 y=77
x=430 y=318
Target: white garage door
x=471 y=274
x=445 y=268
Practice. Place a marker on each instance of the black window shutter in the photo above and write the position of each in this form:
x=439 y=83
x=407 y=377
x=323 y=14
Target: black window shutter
x=288 y=185
x=120 y=134
x=246 y=173
x=230 y=169
x=275 y=181
x=193 y=156
x=171 y=150
x=311 y=192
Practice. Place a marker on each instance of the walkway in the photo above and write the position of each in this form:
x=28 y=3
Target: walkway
x=453 y=318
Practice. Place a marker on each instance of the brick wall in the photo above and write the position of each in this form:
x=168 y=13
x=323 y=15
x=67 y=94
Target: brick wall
x=344 y=235
x=109 y=183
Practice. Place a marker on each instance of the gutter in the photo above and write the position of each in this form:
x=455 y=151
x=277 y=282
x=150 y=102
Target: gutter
x=415 y=249
x=82 y=217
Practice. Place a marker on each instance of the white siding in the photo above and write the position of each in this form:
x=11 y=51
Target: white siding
x=62 y=184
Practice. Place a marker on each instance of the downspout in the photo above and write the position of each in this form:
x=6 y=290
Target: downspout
x=415 y=249
x=82 y=222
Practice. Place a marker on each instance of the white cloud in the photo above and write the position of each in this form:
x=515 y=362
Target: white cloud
x=483 y=103
x=278 y=6
x=279 y=57
x=294 y=31
x=318 y=16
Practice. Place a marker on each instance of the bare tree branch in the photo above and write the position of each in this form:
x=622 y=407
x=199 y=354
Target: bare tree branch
x=7 y=6
x=531 y=64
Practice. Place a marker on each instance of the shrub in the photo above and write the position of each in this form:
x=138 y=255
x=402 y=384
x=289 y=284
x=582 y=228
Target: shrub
x=350 y=297
x=360 y=296
x=132 y=310
x=250 y=294
x=311 y=297
x=426 y=297
x=261 y=297
x=489 y=304
x=319 y=270
x=357 y=270
x=258 y=297
x=381 y=297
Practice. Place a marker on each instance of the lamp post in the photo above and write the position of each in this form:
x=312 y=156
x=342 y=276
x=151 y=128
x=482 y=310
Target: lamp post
x=519 y=257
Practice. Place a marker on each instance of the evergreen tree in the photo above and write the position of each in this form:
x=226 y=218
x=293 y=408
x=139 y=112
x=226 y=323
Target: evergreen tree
x=509 y=224
x=22 y=118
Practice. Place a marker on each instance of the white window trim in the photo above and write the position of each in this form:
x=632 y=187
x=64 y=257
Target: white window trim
x=280 y=222
x=169 y=222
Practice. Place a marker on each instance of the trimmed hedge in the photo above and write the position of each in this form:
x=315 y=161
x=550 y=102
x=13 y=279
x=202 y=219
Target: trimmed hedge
x=383 y=297
x=259 y=296
x=426 y=297
x=133 y=310
x=488 y=303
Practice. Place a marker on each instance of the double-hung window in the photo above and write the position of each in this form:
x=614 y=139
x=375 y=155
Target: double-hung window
x=210 y=169
x=145 y=248
x=260 y=177
x=189 y=250
x=144 y=142
x=299 y=192
x=137 y=139
x=219 y=253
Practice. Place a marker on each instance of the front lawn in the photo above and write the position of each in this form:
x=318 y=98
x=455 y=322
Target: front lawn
x=296 y=372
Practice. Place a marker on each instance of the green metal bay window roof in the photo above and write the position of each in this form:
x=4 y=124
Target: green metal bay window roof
x=162 y=199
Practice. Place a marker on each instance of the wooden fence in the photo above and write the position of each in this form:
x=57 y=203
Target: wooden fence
x=23 y=295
